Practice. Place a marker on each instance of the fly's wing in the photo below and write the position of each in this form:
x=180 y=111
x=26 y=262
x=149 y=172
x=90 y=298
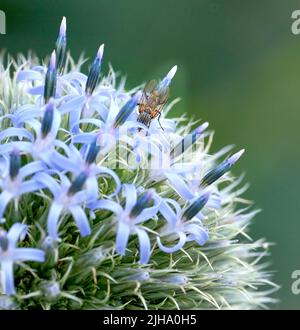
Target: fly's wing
x=147 y=92
x=163 y=95
x=150 y=88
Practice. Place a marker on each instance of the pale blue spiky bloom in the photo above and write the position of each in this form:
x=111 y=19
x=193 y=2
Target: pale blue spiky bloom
x=119 y=215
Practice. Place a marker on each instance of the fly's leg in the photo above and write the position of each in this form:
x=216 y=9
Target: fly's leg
x=158 y=119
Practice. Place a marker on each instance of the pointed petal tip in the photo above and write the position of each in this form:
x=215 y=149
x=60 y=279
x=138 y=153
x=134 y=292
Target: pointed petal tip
x=205 y=125
x=234 y=158
x=200 y=129
x=63 y=27
x=172 y=72
x=100 y=52
x=53 y=60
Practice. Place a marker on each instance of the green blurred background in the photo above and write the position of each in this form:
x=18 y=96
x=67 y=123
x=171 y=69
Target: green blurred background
x=239 y=68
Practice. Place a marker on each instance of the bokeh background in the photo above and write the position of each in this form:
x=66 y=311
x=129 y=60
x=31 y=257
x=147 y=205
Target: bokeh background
x=239 y=68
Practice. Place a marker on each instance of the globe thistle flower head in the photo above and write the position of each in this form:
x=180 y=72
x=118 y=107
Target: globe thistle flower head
x=119 y=211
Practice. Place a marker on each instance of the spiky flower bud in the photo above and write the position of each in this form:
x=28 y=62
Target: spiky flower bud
x=94 y=73
x=168 y=78
x=61 y=46
x=47 y=120
x=142 y=202
x=50 y=79
x=77 y=184
x=127 y=109
x=220 y=169
x=196 y=206
x=14 y=164
x=92 y=152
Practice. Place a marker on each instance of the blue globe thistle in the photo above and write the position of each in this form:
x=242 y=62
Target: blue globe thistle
x=118 y=214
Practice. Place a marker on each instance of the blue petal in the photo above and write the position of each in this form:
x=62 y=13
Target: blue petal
x=197 y=233
x=149 y=212
x=74 y=105
x=48 y=182
x=16 y=232
x=28 y=254
x=31 y=168
x=53 y=217
x=64 y=163
x=7 y=277
x=66 y=148
x=92 y=188
x=179 y=185
x=19 y=145
x=38 y=90
x=5 y=198
x=176 y=247
x=145 y=245
x=27 y=108
x=113 y=111
x=16 y=132
x=35 y=124
x=56 y=123
x=106 y=141
x=129 y=192
x=30 y=186
x=107 y=205
x=123 y=233
x=84 y=138
x=74 y=153
x=81 y=220
x=168 y=213
x=28 y=114
x=4 y=164
x=74 y=118
x=28 y=75
x=80 y=197
x=100 y=108
x=46 y=156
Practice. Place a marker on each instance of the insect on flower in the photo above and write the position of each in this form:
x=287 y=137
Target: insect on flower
x=154 y=98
